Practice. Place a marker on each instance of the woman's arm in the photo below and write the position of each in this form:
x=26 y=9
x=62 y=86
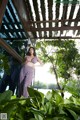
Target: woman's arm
x=41 y=63
x=25 y=58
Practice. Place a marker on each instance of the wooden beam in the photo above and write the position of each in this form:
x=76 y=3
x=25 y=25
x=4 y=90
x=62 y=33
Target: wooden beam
x=31 y=29
x=10 y=50
x=2 y=9
x=61 y=37
x=56 y=20
x=44 y=21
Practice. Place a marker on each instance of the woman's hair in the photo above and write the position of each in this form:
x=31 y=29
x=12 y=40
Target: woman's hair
x=28 y=53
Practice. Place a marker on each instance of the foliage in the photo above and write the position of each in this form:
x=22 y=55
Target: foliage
x=64 y=57
x=39 y=106
x=77 y=64
x=63 y=54
x=75 y=91
x=4 y=64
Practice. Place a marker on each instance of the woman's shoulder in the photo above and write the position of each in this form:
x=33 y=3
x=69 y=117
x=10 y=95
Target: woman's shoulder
x=27 y=58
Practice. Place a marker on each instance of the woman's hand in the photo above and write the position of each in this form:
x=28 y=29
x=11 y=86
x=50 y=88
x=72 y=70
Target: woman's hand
x=38 y=64
x=41 y=63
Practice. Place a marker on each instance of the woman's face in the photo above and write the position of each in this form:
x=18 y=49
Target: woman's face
x=31 y=51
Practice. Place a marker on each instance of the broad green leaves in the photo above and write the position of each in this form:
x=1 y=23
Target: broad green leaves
x=6 y=96
x=39 y=106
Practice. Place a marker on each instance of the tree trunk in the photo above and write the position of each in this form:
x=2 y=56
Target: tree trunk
x=62 y=94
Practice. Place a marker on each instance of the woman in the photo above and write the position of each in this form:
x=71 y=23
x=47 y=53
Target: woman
x=27 y=71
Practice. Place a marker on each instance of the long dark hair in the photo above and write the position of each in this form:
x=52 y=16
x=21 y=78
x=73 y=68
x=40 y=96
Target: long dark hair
x=28 y=53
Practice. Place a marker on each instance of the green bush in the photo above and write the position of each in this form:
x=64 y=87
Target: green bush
x=39 y=106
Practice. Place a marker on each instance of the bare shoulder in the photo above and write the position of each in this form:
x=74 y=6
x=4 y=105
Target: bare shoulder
x=26 y=58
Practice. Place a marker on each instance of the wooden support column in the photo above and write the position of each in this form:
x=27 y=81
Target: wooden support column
x=3 y=4
x=10 y=50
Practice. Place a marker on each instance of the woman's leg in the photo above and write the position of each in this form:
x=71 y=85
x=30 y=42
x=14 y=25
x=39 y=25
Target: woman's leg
x=27 y=83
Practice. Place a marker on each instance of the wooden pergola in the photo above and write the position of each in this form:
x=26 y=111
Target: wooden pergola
x=39 y=19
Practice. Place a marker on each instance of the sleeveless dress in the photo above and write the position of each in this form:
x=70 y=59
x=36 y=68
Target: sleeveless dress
x=26 y=76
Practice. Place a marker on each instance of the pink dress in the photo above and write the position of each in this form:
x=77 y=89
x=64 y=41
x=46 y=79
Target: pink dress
x=26 y=76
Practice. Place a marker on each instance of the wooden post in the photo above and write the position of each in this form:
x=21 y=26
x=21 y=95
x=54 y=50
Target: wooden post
x=10 y=50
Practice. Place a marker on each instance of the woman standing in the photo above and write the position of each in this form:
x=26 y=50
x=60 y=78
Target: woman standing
x=27 y=71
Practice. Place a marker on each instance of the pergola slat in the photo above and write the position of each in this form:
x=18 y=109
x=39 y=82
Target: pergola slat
x=57 y=12
x=21 y=10
x=71 y=14
x=15 y=19
x=9 y=19
x=43 y=14
x=78 y=17
x=50 y=4
x=29 y=14
x=64 y=15
x=35 y=4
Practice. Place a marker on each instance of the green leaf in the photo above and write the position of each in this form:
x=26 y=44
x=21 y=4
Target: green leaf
x=48 y=108
x=49 y=95
x=38 y=117
x=57 y=97
x=39 y=97
x=35 y=93
x=9 y=108
x=36 y=111
x=32 y=119
x=75 y=116
x=6 y=96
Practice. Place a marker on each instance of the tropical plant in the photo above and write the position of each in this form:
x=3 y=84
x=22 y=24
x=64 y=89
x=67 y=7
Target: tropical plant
x=75 y=91
x=39 y=106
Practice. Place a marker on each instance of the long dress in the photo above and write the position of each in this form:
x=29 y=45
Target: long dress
x=26 y=76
